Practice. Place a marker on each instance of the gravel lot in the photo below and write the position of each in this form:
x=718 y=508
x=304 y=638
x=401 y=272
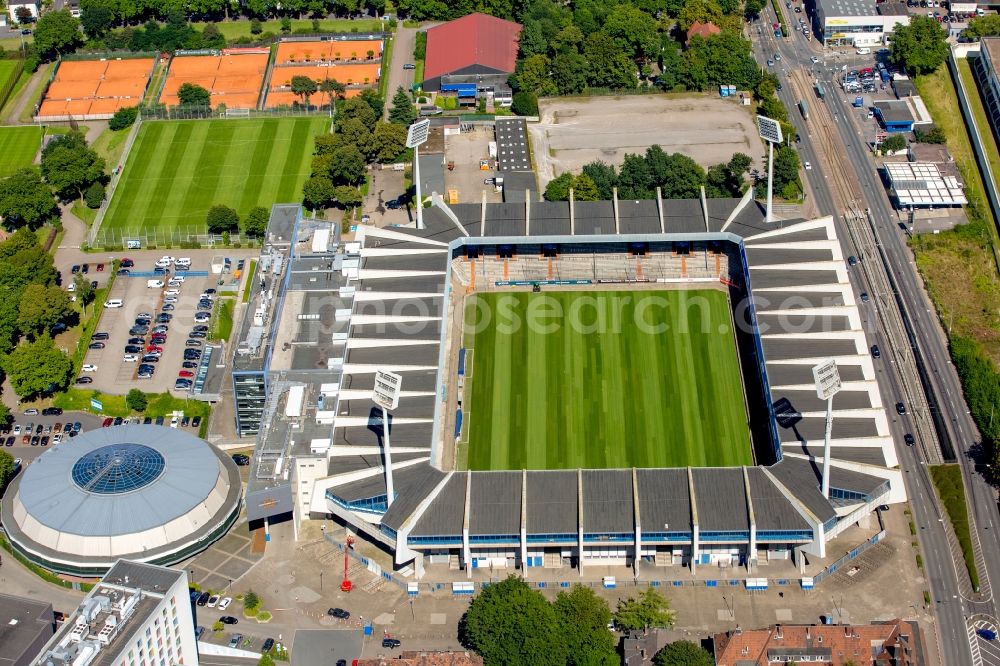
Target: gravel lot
x=114 y=375
x=573 y=132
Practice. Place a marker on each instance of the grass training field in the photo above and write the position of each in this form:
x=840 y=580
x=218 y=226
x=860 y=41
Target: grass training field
x=177 y=170
x=18 y=146
x=665 y=394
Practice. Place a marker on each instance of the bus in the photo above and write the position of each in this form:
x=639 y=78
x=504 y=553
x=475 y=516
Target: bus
x=819 y=90
x=804 y=109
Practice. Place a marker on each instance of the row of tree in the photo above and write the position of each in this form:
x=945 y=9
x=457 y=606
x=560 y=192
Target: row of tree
x=32 y=305
x=132 y=12
x=511 y=623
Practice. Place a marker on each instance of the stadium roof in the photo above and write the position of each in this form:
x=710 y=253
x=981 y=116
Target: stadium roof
x=800 y=284
x=473 y=40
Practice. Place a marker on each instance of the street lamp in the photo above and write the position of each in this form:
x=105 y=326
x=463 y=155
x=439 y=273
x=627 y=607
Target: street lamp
x=415 y=137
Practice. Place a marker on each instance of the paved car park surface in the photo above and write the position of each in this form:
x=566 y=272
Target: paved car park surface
x=26 y=452
x=141 y=295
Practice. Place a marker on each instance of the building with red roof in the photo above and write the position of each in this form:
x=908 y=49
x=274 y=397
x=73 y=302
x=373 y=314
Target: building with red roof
x=475 y=53
x=703 y=30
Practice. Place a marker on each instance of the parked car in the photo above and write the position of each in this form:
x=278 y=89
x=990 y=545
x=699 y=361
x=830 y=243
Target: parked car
x=224 y=603
x=339 y=613
x=390 y=643
x=159 y=420
x=189 y=365
x=228 y=619
x=241 y=459
x=89 y=367
x=181 y=385
x=235 y=641
x=267 y=645
x=203 y=599
x=200 y=327
x=197 y=334
x=127 y=263
x=213 y=601
x=185 y=373
x=195 y=422
x=192 y=343
x=100 y=336
x=133 y=349
x=95 y=345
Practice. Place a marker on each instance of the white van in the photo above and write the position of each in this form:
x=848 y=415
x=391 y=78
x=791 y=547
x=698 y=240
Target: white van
x=864 y=51
x=154 y=284
x=113 y=303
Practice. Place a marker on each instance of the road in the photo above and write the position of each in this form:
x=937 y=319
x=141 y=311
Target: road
x=402 y=53
x=927 y=342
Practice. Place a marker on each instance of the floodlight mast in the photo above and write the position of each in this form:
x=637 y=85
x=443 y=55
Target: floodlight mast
x=828 y=384
x=769 y=129
x=415 y=137
x=386 y=395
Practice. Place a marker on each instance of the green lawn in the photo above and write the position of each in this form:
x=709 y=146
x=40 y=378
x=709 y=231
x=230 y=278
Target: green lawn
x=9 y=69
x=555 y=395
x=18 y=146
x=951 y=490
x=177 y=170
x=983 y=123
x=236 y=29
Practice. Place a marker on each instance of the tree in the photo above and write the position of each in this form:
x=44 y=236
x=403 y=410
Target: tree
x=23 y=15
x=25 y=200
x=371 y=97
x=919 y=47
x=255 y=221
x=534 y=74
x=41 y=308
x=265 y=660
x=123 y=118
x=584 y=188
x=97 y=20
x=683 y=653
x=786 y=167
x=256 y=27
x=70 y=167
x=193 y=95
x=84 y=290
x=609 y=66
x=6 y=464
x=703 y=11
x=358 y=109
x=633 y=30
x=334 y=90
x=222 y=219
x=347 y=195
x=5 y=419
x=583 y=618
x=402 y=111
x=347 y=165
x=57 y=33
x=509 y=623
x=388 y=141
x=936 y=134
x=893 y=143
x=136 y=400
x=251 y=600
x=94 y=196
x=318 y=192
x=558 y=187
x=212 y=37
x=753 y=8
x=635 y=180
x=650 y=609
x=525 y=103
x=983 y=26
x=37 y=368
x=604 y=176
x=304 y=87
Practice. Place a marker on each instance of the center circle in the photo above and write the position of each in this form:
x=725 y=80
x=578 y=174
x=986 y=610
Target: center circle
x=117 y=469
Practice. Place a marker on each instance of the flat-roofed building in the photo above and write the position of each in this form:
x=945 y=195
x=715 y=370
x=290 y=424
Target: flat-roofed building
x=26 y=625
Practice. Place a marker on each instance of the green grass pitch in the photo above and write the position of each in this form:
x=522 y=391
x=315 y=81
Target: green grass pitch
x=177 y=170
x=18 y=146
x=638 y=396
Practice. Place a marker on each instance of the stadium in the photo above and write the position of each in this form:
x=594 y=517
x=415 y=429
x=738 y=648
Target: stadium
x=674 y=421
x=140 y=492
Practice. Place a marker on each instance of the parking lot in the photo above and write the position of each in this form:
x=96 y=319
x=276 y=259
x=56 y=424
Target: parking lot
x=154 y=297
x=13 y=437
x=465 y=151
x=573 y=132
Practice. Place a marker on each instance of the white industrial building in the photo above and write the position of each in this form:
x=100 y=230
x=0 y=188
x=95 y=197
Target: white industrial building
x=857 y=22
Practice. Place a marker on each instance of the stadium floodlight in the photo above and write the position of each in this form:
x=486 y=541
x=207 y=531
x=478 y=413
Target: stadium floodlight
x=415 y=137
x=769 y=129
x=386 y=395
x=828 y=384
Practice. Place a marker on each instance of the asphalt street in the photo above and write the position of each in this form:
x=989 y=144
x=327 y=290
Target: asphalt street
x=929 y=344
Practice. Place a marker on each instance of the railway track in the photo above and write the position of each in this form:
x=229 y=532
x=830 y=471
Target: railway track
x=849 y=198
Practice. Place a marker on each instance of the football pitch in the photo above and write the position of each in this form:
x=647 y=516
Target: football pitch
x=551 y=387
x=18 y=146
x=177 y=170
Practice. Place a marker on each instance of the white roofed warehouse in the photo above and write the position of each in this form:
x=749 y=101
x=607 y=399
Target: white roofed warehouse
x=142 y=492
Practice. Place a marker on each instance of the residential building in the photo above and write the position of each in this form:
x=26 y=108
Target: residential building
x=14 y=5
x=138 y=614
x=471 y=56
x=703 y=30
x=26 y=625
x=895 y=642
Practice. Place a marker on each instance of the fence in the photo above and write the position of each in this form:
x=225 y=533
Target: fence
x=109 y=55
x=193 y=236
x=11 y=82
x=853 y=554
x=116 y=175
x=161 y=112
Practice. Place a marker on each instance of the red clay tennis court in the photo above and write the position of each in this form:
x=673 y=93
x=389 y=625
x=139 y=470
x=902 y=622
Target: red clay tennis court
x=355 y=76
x=94 y=89
x=233 y=79
x=328 y=51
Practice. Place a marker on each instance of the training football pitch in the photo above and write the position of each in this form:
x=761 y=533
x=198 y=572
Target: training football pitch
x=177 y=170
x=18 y=146
x=560 y=380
